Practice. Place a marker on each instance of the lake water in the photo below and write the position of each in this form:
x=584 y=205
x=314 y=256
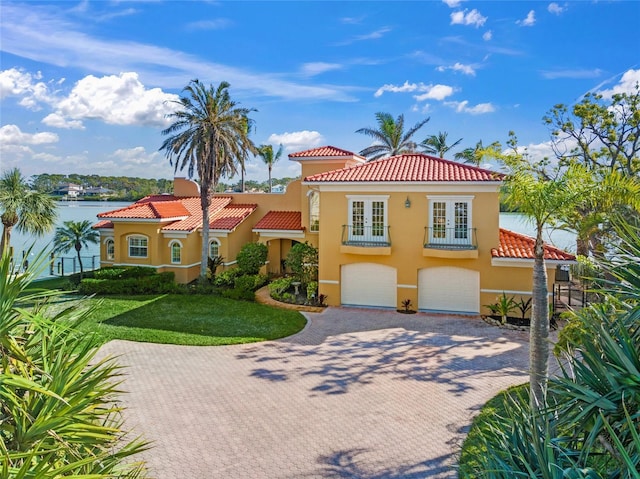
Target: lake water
x=88 y=210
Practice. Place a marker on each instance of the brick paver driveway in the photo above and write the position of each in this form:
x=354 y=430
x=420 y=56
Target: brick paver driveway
x=358 y=394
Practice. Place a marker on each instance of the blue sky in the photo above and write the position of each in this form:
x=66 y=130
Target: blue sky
x=85 y=86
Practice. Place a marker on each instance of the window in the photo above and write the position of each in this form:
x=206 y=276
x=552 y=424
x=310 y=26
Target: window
x=314 y=211
x=214 y=248
x=110 y=246
x=176 y=251
x=368 y=219
x=450 y=221
x=138 y=246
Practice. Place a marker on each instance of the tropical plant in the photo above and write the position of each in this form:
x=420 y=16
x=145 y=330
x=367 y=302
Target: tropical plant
x=28 y=210
x=503 y=306
x=75 y=235
x=210 y=136
x=437 y=144
x=266 y=153
x=523 y=306
x=212 y=267
x=542 y=198
x=390 y=138
x=58 y=411
x=252 y=257
x=302 y=260
x=475 y=155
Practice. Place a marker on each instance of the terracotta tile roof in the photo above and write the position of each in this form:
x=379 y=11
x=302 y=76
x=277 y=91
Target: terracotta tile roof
x=156 y=207
x=323 y=151
x=407 y=168
x=280 y=220
x=195 y=220
x=231 y=216
x=516 y=245
x=103 y=224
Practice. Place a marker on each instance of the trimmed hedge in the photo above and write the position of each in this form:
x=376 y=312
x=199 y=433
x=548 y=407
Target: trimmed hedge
x=150 y=284
x=124 y=273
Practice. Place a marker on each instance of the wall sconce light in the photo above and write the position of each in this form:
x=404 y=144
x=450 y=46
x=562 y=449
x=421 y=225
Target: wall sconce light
x=407 y=203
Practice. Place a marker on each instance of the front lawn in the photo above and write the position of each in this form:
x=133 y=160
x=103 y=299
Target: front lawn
x=198 y=320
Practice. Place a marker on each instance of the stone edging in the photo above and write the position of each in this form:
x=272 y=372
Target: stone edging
x=263 y=297
x=494 y=322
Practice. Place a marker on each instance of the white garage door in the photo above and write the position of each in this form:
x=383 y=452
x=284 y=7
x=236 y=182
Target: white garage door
x=368 y=284
x=448 y=288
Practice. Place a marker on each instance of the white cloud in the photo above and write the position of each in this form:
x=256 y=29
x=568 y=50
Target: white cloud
x=462 y=17
x=12 y=135
x=463 y=107
x=436 y=92
x=555 y=8
x=297 y=140
x=529 y=21
x=406 y=87
x=627 y=84
x=14 y=82
x=375 y=35
x=215 y=24
x=453 y=3
x=58 y=121
x=117 y=100
x=488 y=35
x=316 y=68
x=459 y=67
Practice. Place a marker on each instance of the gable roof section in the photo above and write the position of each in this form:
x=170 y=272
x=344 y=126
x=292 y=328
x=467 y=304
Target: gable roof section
x=231 y=216
x=104 y=224
x=518 y=246
x=407 y=168
x=324 y=152
x=280 y=220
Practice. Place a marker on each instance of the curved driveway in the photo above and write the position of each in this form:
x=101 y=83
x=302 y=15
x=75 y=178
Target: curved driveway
x=359 y=393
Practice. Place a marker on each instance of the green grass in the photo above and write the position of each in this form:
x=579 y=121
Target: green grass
x=198 y=320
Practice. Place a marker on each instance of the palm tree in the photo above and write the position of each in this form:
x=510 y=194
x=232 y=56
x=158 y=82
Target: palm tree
x=75 y=235
x=437 y=144
x=266 y=153
x=28 y=210
x=475 y=155
x=210 y=136
x=390 y=138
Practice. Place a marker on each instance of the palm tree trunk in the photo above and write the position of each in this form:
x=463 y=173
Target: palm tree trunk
x=539 y=330
x=80 y=262
x=6 y=239
x=270 y=185
x=204 y=258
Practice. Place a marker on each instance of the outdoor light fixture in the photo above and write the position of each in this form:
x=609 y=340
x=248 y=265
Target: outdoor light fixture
x=407 y=203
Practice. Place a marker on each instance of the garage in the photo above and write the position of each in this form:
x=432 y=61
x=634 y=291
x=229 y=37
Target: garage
x=449 y=288
x=368 y=284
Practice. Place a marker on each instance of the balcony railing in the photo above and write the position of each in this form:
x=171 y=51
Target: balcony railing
x=371 y=236
x=450 y=238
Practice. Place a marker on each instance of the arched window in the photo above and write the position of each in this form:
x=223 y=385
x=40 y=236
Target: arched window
x=176 y=252
x=110 y=246
x=138 y=246
x=314 y=211
x=214 y=248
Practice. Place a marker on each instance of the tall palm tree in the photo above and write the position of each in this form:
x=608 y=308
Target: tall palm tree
x=75 y=235
x=28 y=210
x=437 y=144
x=474 y=155
x=390 y=138
x=210 y=136
x=266 y=153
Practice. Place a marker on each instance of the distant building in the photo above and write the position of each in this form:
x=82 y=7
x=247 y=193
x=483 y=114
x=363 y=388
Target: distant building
x=278 y=189
x=70 y=190
x=98 y=192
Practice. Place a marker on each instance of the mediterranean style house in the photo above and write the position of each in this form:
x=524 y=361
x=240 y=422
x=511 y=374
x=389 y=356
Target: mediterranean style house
x=409 y=227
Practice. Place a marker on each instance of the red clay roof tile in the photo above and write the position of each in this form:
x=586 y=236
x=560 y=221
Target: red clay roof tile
x=323 y=151
x=407 y=168
x=516 y=245
x=103 y=224
x=231 y=216
x=280 y=220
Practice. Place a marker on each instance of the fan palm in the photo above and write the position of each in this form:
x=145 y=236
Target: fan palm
x=474 y=155
x=390 y=138
x=437 y=144
x=266 y=153
x=28 y=210
x=210 y=136
x=75 y=235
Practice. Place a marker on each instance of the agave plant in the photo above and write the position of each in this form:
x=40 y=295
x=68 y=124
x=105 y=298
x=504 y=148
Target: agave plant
x=58 y=411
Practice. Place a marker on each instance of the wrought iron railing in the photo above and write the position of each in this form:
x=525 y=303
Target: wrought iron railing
x=370 y=236
x=450 y=238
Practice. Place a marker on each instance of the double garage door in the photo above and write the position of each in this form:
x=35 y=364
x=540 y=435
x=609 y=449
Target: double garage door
x=439 y=289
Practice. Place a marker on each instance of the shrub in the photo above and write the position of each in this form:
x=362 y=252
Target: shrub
x=226 y=279
x=251 y=282
x=312 y=290
x=156 y=284
x=123 y=273
x=252 y=257
x=302 y=260
x=279 y=286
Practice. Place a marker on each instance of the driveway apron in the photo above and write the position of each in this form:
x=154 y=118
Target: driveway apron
x=359 y=393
